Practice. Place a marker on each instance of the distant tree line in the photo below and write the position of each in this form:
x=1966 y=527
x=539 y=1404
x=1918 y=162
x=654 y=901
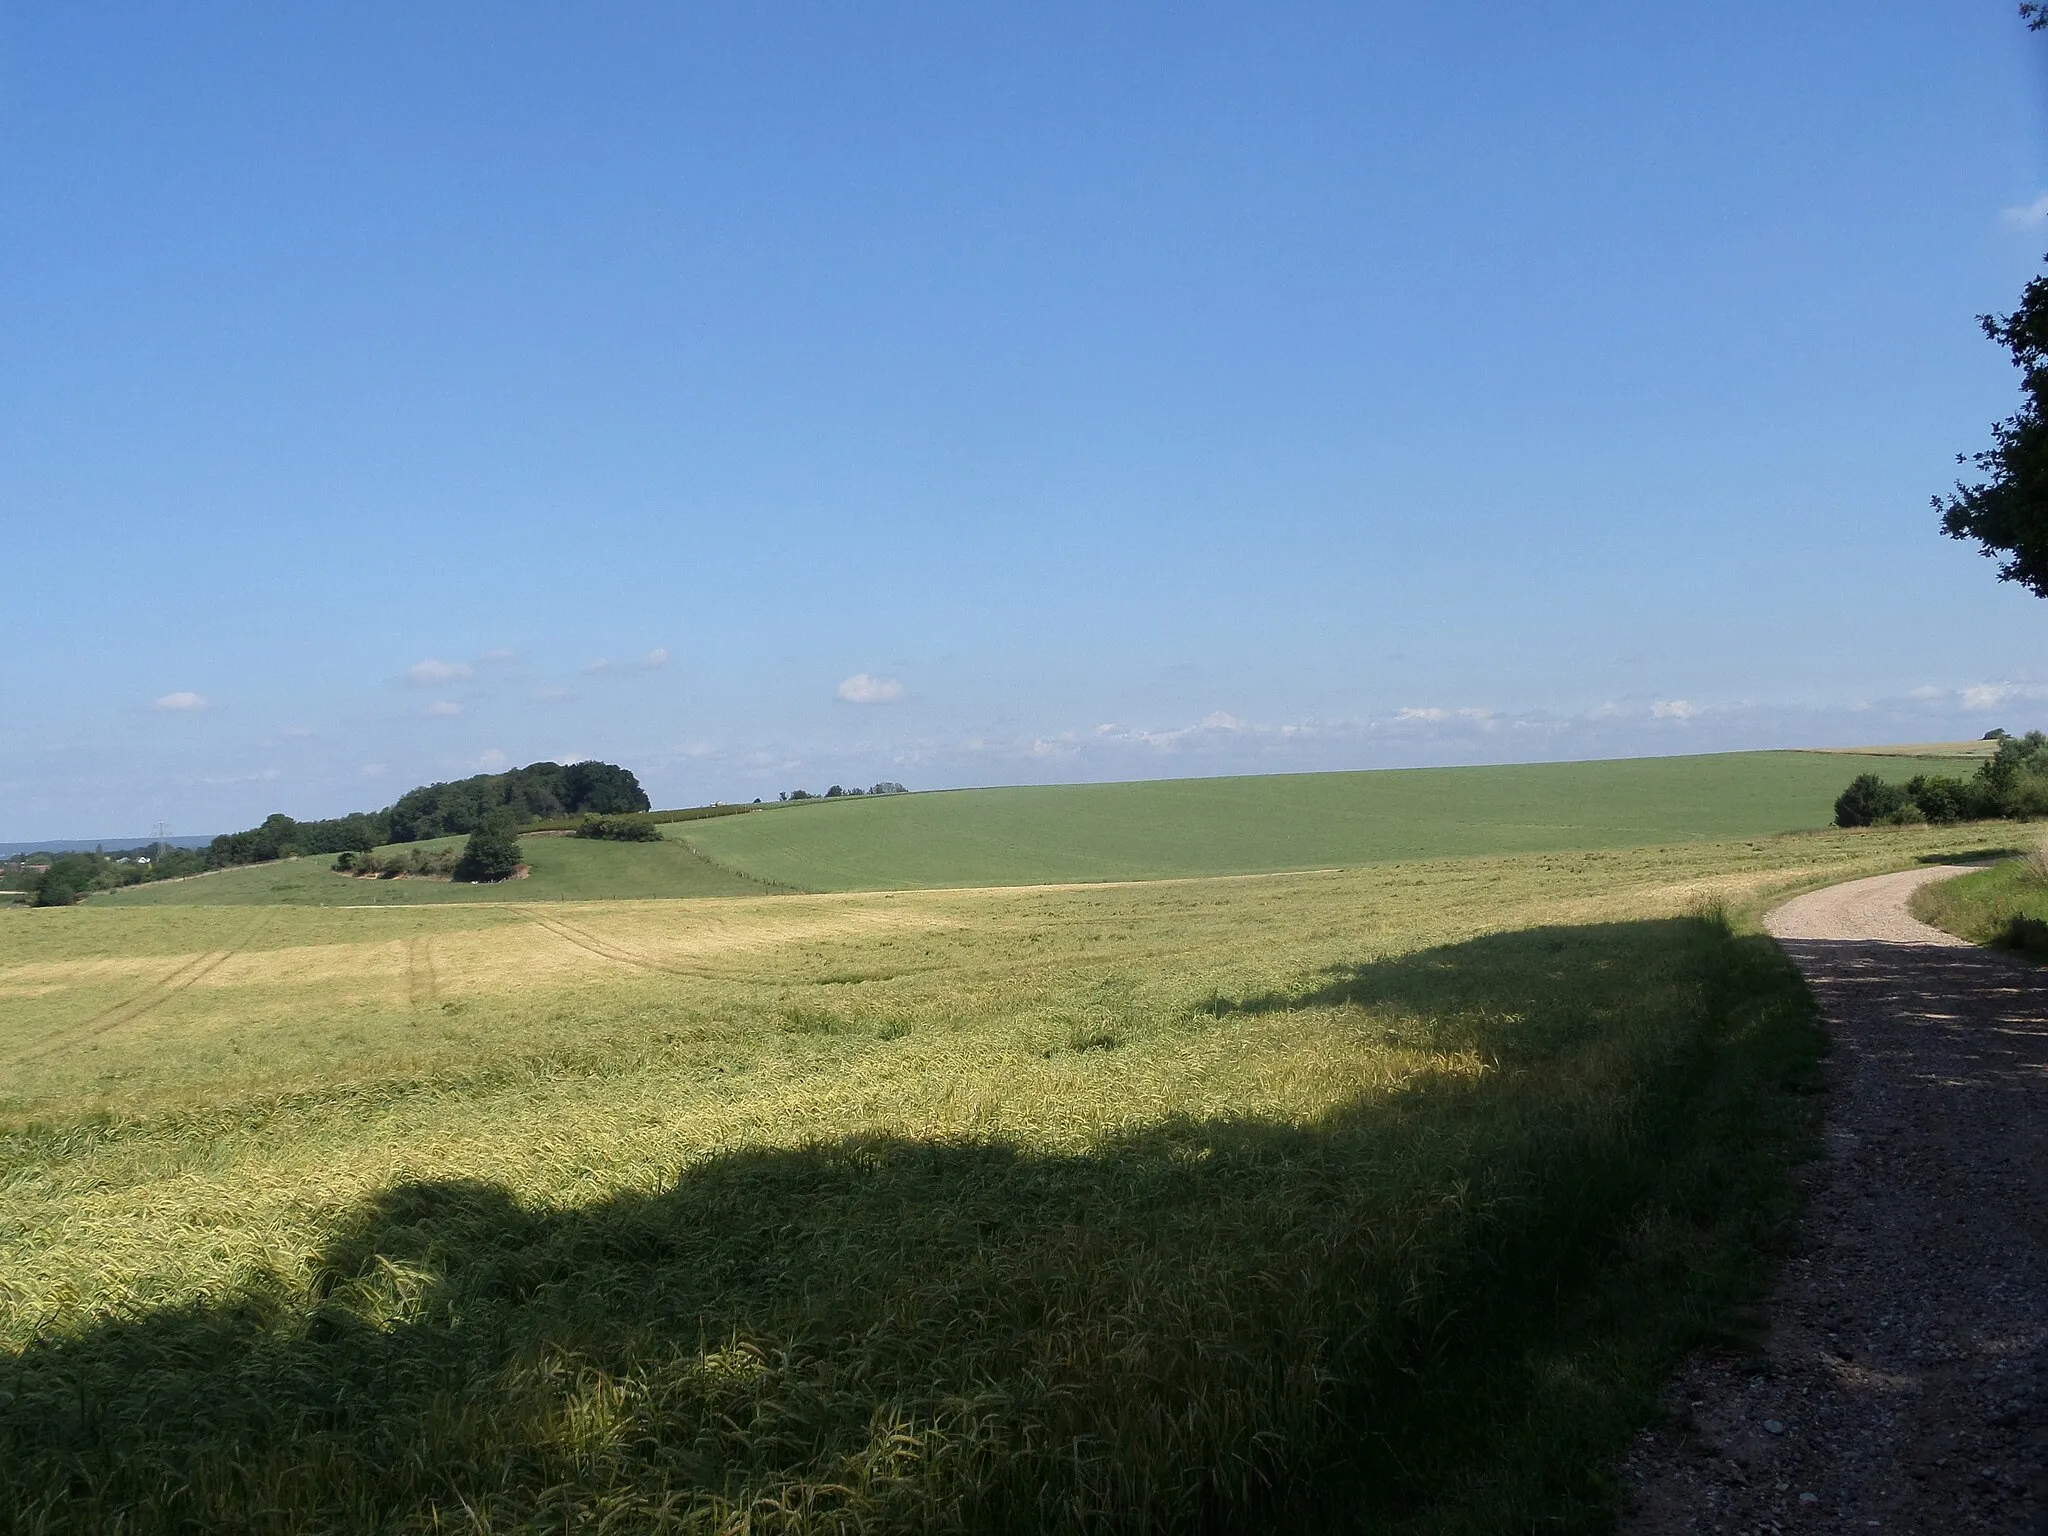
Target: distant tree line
x=2012 y=783
x=59 y=879
x=534 y=793
x=836 y=793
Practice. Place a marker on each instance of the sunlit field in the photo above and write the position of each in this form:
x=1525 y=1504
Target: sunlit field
x=1178 y=828
x=1376 y=1199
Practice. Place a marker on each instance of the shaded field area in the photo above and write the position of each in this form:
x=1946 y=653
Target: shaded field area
x=1180 y=828
x=1377 y=1199
x=563 y=869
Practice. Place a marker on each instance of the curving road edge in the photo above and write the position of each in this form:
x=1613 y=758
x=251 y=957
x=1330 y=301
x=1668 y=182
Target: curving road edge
x=1903 y=1385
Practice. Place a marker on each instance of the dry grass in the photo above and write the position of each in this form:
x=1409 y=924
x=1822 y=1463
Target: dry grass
x=1167 y=1206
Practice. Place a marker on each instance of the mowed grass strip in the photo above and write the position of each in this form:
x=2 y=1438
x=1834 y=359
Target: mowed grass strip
x=1378 y=1199
x=1181 y=828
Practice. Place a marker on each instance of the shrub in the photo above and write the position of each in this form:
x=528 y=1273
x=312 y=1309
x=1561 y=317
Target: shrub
x=492 y=853
x=619 y=829
x=1942 y=799
x=2025 y=798
x=1868 y=801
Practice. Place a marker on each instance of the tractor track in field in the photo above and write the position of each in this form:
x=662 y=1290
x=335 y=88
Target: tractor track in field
x=1903 y=1384
x=604 y=949
x=422 y=980
x=185 y=975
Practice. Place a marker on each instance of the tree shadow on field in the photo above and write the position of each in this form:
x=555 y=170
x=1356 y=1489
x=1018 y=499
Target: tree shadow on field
x=1204 y=1325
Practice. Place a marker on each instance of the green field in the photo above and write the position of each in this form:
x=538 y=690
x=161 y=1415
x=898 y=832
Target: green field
x=1382 y=1198
x=1180 y=828
x=1159 y=829
x=563 y=869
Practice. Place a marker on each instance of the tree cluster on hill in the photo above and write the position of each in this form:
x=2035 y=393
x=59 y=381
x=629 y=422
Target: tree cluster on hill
x=2012 y=783
x=536 y=792
x=532 y=793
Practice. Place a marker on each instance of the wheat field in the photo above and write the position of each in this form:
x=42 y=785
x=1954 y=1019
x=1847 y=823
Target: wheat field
x=1377 y=1197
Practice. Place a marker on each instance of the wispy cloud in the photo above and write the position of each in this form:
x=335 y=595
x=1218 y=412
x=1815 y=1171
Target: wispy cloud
x=440 y=709
x=1674 y=709
x=498 y=656
x=181 y=701
x=653 y=661
x=548 y=692
x=862 y=689
x=490 y=759
x=2032 y=215
x=425 y=674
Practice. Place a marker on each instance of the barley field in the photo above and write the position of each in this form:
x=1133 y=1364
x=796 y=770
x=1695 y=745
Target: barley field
x=1377 y=1199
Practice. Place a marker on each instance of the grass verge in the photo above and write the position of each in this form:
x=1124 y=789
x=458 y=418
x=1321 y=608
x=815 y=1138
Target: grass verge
x=2005 y=906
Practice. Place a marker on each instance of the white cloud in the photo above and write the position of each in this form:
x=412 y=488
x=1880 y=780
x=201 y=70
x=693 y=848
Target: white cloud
x=298 y=733
x=1221 y=720
x=2032 y=216
x=1674 y=709
x=181 y=700
x=1422 y=714
x=548 y=692
x=491 y=759
x=1991 y=695
x=372 y=770
x=497 y=656
x=422 y=674
x=862 y=689
x=653 y=661
x=442 y=708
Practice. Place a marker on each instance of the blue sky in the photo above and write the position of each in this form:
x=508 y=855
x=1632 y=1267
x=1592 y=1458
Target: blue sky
x=780 y=396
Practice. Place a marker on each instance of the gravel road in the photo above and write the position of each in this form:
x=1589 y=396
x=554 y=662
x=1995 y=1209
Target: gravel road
x=1903 y=1385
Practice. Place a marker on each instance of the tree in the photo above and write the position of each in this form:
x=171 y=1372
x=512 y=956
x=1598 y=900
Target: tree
x=1867 y=801
x=492 y=852
x=2007 y=512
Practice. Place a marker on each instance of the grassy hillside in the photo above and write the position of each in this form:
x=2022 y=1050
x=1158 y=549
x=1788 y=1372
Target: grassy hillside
x=563 y=869
x=1192 y=827
x=1377 y=1199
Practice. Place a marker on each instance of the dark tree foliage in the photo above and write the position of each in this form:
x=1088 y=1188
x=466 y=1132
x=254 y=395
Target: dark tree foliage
x=619 y=829
x=2007 y=512
x=533 y=793
x=71 y=876
x=282 y=838
x=1942 y=799
x=2013 y=782
x=1867 y=801
x=492 y=852
x=537 y=792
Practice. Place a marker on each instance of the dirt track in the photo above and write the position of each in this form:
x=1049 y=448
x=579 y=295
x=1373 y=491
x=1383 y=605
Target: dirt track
x=1904 y=1382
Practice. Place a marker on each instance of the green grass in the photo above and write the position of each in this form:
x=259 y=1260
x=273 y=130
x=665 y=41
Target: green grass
x=1377 y=1199
x=2005 y=905
x=563 y=869
x=1181 y=828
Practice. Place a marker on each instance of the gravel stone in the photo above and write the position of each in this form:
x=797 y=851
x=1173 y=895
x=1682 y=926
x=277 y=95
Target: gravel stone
x=1908 y=1335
